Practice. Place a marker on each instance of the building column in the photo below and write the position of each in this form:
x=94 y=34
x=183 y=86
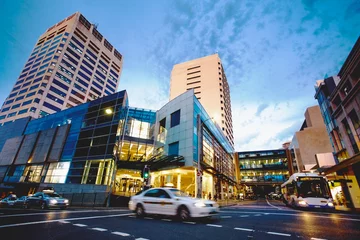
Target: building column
x=178 y=181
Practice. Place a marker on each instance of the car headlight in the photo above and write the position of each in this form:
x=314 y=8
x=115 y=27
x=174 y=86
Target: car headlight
x=53 y=201
x=302 y=203
x=330 y=204
x=131 y=202
x=66 y=201
x=199 y=204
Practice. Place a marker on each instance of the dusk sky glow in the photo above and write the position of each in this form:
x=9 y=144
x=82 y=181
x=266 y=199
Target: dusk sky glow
x=272 y=51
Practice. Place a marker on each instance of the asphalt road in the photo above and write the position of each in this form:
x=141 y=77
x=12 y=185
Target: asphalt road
x=247 y=220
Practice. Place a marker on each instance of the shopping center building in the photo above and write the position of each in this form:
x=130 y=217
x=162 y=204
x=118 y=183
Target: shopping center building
x=103 y=145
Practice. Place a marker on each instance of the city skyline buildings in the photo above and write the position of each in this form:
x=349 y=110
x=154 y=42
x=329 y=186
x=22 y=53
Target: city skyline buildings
x=71 y=63
x=144 y=36
x=207 y=77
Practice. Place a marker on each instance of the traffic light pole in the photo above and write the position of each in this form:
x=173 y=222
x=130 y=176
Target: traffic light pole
x=199 y=152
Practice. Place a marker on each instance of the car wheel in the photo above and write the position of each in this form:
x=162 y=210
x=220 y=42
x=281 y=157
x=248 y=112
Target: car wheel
x=183 y=213
x=43 y=206
x=139 y=211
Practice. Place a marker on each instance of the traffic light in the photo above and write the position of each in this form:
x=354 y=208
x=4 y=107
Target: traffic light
x=146 y=172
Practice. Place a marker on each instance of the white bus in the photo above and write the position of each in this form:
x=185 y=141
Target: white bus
x=307 y=190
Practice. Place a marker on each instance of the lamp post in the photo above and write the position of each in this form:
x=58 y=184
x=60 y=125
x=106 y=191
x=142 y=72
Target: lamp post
x=199 y=170
x=116 y=158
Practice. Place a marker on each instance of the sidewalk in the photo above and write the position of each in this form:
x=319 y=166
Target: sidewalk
x=227 y=203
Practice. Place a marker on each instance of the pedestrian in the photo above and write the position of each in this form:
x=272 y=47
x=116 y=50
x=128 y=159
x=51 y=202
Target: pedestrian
x=209 y=196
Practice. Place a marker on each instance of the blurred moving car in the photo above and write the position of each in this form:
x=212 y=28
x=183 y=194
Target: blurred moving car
x=173 y=202
x=21 y=202
x=8 y=201
x=47 y=199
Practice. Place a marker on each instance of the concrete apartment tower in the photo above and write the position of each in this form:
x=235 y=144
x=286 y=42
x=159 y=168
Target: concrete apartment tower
x=71 y=63
x=207 y=77
x=311 y=142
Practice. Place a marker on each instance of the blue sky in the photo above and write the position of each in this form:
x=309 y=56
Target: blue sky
x=273 y=51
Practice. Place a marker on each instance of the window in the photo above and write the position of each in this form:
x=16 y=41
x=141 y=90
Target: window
x=70 y=74
x=37 y=80
x=77 y=42
x=80 y=88
x=111 y=83
x=82 y=82
x=38 y=59
x=95 y=91
x=73 y=53
x=175 y=119
x=40 y=73
x=37 y=100
x=67 y=56
x=111 y=71
x=26 y=103
x=100 y=74
x=55 y=90
x=45 y=47
x=35 y=86
x=52 y=48
x=13 y=95
x=103 y=64
x=55 y=42
x=63 y=86
x=30 y=94
x=174 y=148
x=110 y=88
x=73 y=46
x=23 y=91
x=15 y=106
x=68 y=65
x=91 y=54
x=151 y=193
x=52 y=107
x=23 y=75
x=88 y=58
x=88 y=65
x=11 y=114
x=5 y=109
x=86 y=70
x=33 y=109
x=84 y=76
x=32 y=71
x=55 y=99
x=96 y=85
x=50 y=53
x=23 y=111
x=10 y=101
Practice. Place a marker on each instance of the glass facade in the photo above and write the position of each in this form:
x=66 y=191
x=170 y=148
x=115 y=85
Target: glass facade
x=269 y=166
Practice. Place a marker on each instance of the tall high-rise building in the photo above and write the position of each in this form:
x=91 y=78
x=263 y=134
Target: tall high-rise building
x=71 y=63
x=207 y=77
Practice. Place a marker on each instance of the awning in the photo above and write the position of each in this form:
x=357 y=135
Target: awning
x=155 y=164
x=344 y=164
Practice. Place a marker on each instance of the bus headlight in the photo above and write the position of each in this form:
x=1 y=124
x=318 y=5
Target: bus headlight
x=330 y=204
x=302 y=203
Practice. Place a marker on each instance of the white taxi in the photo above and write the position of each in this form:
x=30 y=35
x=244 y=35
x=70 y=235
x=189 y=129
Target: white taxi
x=172 y=202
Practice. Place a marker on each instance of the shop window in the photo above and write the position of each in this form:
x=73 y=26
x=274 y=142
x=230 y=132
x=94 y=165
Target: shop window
x=175 y=118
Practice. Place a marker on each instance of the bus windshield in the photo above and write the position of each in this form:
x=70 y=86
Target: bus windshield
x=314 y=187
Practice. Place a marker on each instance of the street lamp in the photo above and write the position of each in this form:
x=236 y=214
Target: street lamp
x=199 y=171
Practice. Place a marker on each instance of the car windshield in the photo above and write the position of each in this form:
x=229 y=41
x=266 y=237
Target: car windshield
x=178 y=193
x=52 y=195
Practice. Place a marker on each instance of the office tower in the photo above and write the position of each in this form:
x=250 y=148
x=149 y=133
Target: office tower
x=71 y=63
x=207 y=77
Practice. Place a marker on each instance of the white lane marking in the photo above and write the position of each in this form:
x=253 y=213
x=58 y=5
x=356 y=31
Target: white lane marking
x=266 y=213
x=58 y=212
x=272 y=205
x=141 y=239
x=244 y=215
x=166 y=220
x=132 y=216
x=65 y=219
x=226 y=217
x=148 y=218
x=121 y=234
x=190 y=222
x=297 y=215
x=80 y=225
x=100 y=229
x=317 y=239
x=280 y=234
x=245 y=229
x=61 y=221
x=257 y=215
x=213 y=225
